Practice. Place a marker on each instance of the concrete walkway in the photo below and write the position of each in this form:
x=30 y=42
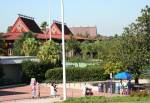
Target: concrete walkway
x=42 y=100
x=23 y=94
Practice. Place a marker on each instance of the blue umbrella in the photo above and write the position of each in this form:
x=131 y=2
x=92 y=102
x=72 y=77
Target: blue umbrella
x=123 y=75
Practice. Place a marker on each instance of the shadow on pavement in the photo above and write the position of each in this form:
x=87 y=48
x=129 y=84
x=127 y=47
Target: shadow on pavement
x=12 y=86
x=5 y=93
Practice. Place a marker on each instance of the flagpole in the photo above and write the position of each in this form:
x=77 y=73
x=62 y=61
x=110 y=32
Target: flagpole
x=63 y=52
x=50 y=37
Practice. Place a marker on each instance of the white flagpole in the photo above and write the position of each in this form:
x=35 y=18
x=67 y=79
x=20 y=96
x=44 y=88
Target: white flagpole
x=63 y=52
x=49 y=18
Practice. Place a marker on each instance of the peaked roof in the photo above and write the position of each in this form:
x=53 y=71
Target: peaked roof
x=31 y=24
x=66 y=29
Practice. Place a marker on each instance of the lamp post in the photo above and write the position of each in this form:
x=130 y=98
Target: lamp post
x=50 y=37
x=111 y=87
x=63 y=52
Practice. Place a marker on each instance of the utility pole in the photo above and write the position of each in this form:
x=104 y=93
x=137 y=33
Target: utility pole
x=63 y=52
x=49 y=19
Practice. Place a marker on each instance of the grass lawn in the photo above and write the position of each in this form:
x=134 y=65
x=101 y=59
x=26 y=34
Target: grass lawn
x=125 y=99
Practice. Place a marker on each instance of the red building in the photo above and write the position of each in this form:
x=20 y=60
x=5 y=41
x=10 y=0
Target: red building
x=25 y=24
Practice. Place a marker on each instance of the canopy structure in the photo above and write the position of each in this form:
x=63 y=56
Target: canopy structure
x=123 y=75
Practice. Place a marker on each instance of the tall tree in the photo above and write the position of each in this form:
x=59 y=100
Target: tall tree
x=29 y=47
x=72 y=46
x=49 y=52
x=135 y=44
x=84 y=49
x=2 y=46
x=44 y=26
x=17 y=45
x=9 y=28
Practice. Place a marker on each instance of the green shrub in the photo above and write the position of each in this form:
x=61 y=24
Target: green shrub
x=76 y=74
x=36 y=70
x=99 y=99
x=145 y=76
x=139 y=94
x=1 y=72
x=6 y=81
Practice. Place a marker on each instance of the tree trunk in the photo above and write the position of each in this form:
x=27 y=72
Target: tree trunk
x=91 y=55
x=136 y=80
x=72 y=53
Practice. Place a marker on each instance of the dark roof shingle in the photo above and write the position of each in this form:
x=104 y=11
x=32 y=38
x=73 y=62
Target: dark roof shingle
x=31 y=24
x=67 y=30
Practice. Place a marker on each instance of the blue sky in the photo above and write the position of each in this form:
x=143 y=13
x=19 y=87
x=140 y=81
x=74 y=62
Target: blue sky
x=110 y=16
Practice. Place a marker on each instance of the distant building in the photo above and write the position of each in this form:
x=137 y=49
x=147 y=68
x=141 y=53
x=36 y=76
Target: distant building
x=91 y=31
x=25 y=24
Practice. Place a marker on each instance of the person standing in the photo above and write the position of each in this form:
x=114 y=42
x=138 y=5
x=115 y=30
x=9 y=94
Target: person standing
x=53 y=89
x=33 y=87
x=125 y=87
x=129 y=87
x=38 y=90
x=121 y=87
x=84 y=89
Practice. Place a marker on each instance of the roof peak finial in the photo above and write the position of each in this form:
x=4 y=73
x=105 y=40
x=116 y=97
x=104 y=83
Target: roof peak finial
x=24 y=16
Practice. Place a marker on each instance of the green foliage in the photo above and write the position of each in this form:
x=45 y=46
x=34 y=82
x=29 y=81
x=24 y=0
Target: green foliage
x=9 y=29
x=113 y=68
x=36 y=70
x=77 y=74
x=2 y=43
x=43 y=26
x=139 y=94
x=84 y=49
x=1 y=71
x=6 y=81
x=99 y=99
x=108 y=50
x=49 y=52
x=72 y=47
x=18 y=44
x=87 y=47
x=29 y=47
x=135 y=44
x=145 y=76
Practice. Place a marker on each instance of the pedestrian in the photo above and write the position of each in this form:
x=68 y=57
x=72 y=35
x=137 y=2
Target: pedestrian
x=84 y=89
x=129 y=87
x=53 y=89
x=33 y=87
x=121 y=87
x=125 y=87
x=38 y=90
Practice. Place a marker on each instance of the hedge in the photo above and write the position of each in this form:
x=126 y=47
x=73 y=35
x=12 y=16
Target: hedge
x=76 y=74
x=36 y=70
x=145 y=76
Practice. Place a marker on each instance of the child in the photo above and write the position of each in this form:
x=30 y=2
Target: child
x=38 y=90
x=53 y=89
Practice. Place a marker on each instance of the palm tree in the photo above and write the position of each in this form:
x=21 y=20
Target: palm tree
x=71 y=46
x=84 y=49
x=44 y=26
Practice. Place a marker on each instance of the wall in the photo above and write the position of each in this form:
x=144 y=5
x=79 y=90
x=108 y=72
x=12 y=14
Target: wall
x=12 y=72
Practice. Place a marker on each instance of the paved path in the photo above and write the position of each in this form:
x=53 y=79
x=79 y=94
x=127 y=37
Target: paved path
x=23 y=94
x=41 y=100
